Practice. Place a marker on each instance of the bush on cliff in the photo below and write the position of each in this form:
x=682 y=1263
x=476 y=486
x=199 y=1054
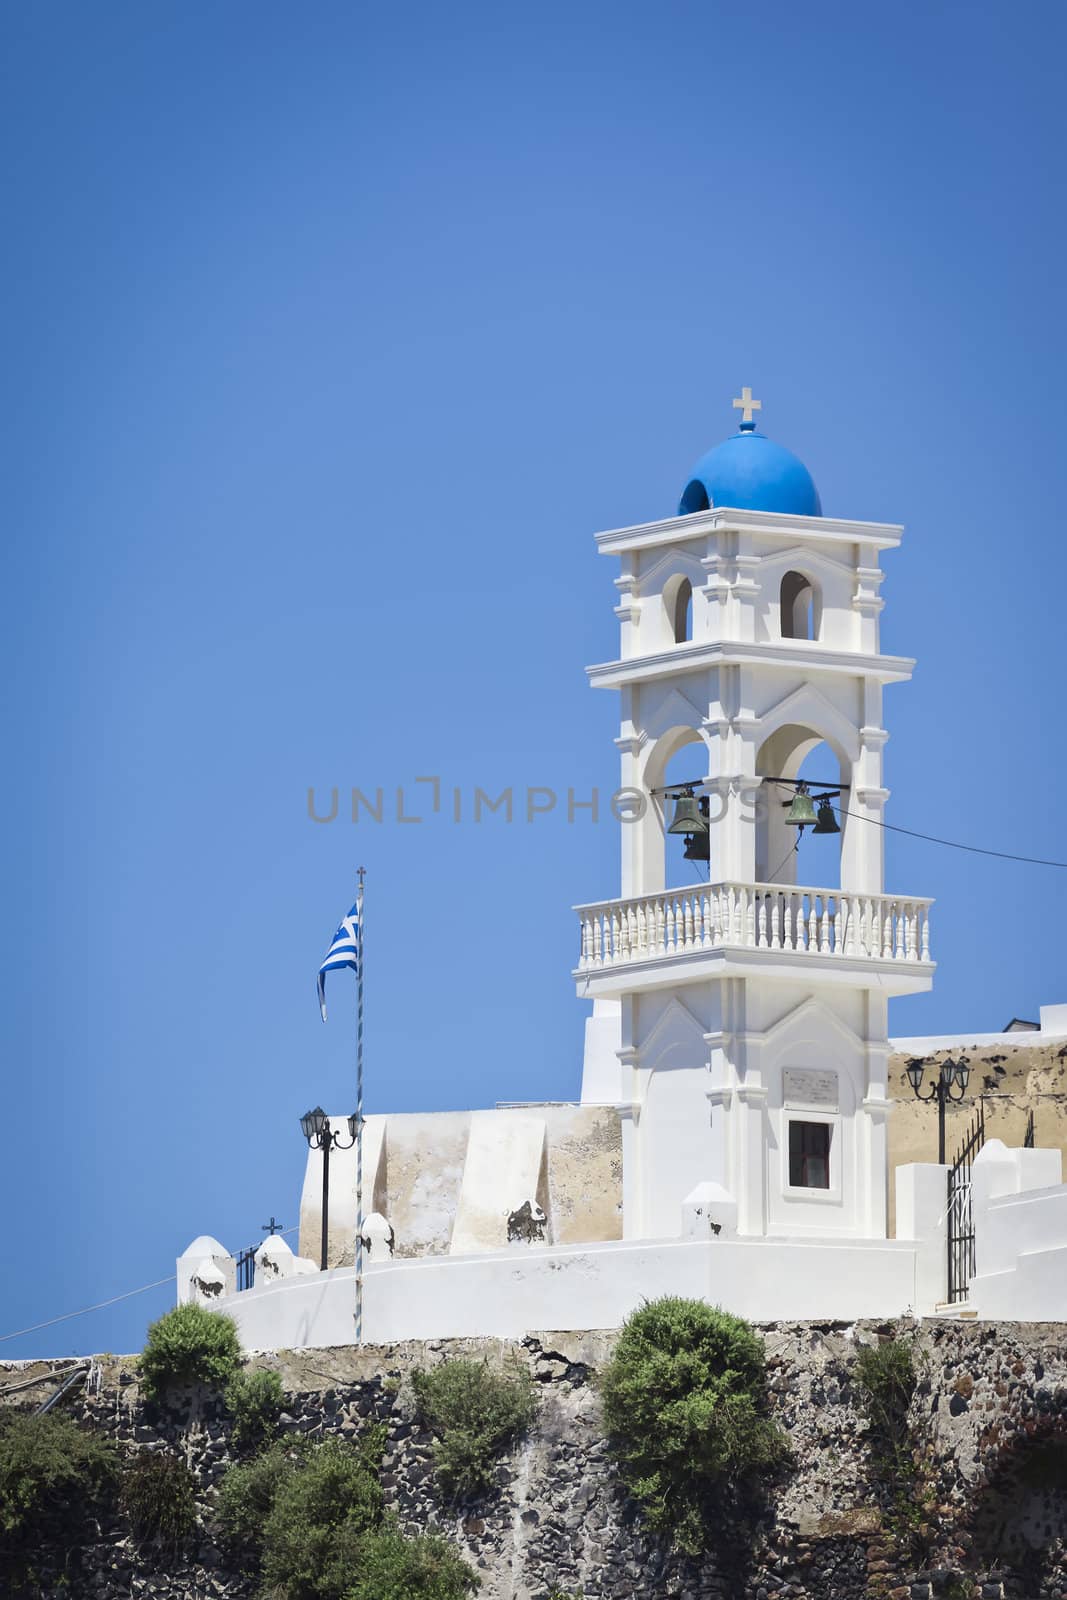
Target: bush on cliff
x=393 y=1567
x=302 y=1513
x=158 y=1495
x=189 y=1345
x=683 y=1398
x=474 y=1412
x=255 y=1401
x=248 y=1491
x=55 y=1478
x=887 y=1375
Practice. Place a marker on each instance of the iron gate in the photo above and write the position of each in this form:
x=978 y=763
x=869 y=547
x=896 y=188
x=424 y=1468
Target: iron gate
x=961 y=1210
x=246 y=1268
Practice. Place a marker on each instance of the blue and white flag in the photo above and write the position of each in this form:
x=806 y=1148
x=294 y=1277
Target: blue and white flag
x=343 y=952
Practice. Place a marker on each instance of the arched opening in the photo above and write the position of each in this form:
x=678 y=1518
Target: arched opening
x=686 y=855
x=800 y=606
x=678 y=602
x=694 y=498
x=784 y=853
x=679 y=756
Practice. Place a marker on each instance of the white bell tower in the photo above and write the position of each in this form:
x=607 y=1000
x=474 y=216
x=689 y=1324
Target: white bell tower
x=740 y=1022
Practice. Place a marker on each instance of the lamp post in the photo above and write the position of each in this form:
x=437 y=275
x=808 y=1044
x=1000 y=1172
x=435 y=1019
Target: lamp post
x=315 y=1126
x=952 y=1075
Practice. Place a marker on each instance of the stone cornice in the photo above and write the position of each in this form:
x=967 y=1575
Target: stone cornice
x=737 y=652
x=675 y=530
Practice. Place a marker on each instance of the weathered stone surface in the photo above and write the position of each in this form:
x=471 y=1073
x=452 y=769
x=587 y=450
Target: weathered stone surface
x=560 y=1518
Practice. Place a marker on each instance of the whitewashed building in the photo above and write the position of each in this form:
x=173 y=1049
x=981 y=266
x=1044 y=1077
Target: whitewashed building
x=730 y=1139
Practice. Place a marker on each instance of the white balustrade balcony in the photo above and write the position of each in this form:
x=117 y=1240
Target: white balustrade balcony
x=744 y=924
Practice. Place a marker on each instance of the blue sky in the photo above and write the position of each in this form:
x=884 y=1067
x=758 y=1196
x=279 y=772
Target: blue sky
x=331 y=335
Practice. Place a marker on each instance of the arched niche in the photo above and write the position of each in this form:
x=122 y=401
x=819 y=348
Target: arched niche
x=678 y=606
x=800 y=607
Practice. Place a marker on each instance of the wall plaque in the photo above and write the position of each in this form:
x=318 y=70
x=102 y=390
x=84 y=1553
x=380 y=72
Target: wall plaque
x=806 y=1086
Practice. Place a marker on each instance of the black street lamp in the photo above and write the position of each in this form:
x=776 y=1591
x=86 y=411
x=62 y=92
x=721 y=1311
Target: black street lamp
x=953 y=1075
x=315 y=1126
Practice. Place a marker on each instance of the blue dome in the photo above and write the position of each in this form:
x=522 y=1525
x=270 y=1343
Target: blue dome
x=752 y=473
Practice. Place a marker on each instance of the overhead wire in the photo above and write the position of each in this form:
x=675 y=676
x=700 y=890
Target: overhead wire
x=102 y=1304
x=932 y=838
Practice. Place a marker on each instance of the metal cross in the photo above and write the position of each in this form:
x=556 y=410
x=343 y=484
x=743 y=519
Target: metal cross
x=746 y=405
x=271 y=1227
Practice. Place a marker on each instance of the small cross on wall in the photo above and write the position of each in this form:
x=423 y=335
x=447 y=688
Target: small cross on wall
x=746 y=405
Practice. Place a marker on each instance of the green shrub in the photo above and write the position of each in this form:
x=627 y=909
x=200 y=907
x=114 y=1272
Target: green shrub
x=886 y=1377
x=322 y=1511
x=255 y=1401
x=189 y=1345
x=393 y=1567
x=248 y=1490
x=158 y=1496
x=54 y=1477
x=302 y=1512
x=683 y=1399
x=474 y=1413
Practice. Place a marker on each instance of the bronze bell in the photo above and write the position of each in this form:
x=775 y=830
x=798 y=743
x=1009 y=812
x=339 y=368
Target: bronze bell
x=687 y=816
x=827 y=822
x=697 y=847
x=801 y=813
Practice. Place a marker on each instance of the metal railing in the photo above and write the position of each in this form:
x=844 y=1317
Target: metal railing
x=246 y=1268
x=961 y=1210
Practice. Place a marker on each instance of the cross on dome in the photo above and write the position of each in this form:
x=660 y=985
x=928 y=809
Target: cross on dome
x=746 y=405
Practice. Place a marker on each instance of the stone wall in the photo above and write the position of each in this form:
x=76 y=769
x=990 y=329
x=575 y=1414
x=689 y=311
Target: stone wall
x=1013 y=1079
x=992 y=1405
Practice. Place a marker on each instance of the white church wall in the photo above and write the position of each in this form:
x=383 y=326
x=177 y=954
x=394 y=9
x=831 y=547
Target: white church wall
x=427 y=1175
x=601 y=1070
x=671 y=1087
x=595 y=1286
x=655 y=574
x=505 y=1167
x=832 y=579
x=719 y=1073
x=813 y=1070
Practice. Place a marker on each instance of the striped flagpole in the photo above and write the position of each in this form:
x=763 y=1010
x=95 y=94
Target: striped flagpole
x=359 y=1116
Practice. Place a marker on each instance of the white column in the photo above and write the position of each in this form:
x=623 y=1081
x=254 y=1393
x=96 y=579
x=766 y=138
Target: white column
x=751 y=1116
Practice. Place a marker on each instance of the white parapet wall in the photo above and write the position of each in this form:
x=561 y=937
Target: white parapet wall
x=510 y=1293
x=1020 y=1226
x=922 y=1216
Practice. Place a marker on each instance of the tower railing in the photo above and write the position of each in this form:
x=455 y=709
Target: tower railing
x=754 y=916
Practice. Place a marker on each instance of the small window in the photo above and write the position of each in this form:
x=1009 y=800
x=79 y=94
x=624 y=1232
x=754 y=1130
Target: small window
x=799 y=607
x=809 y=1155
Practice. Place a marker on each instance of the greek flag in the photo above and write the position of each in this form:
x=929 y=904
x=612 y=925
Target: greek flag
x=343 y=952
